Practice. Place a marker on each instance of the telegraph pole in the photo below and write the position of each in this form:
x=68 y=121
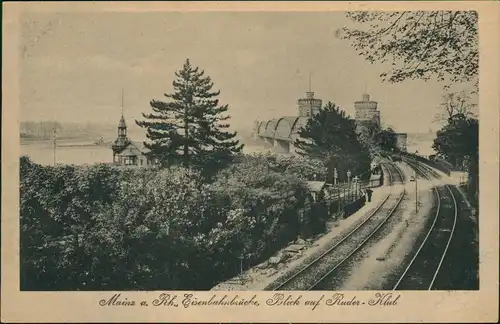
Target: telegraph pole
x=55 y=144
x=416 y=187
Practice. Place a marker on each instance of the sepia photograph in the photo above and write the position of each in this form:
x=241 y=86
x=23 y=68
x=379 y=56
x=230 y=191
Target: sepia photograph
x=249 y=160
x=219 y=151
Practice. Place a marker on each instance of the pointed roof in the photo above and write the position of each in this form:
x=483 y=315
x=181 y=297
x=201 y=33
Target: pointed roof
x=132 y=148
x=122 y=124
x=139 y=145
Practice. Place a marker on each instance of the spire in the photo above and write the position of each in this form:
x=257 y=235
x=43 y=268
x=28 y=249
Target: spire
x=122 y=124
x=122 y=102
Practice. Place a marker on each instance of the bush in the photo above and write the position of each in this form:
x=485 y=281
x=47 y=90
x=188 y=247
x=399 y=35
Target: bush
x=298 y=166
x=106 y=228
x=278 y=201
x=58 y=208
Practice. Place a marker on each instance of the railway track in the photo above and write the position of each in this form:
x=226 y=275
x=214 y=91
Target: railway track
x=314 y=273
x=421 y=272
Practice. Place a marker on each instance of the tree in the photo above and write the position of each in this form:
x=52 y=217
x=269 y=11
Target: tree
x=331 y=136
x=426 y=44
x=458 y=141
x=366 y=134
x=190 y=128
x=386 y=139
x=454 y=104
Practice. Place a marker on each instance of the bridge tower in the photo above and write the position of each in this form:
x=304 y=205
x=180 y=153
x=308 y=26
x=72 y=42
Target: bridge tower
x=256 y=124
x=366 y=112
x=309 y=106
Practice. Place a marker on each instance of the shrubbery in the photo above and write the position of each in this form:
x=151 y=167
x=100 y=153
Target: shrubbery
x=301 y=167
x=106 y=228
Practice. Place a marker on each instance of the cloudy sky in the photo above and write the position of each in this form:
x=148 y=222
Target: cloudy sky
x=75 y=65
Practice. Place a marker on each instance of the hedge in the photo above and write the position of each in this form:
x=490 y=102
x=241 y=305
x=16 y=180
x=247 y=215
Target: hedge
x=102 y=227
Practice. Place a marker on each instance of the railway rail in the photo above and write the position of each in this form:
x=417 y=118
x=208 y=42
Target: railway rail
x=314 y=273
x=424 y=267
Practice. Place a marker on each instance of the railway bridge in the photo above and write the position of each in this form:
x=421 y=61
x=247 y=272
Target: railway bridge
x=281 y=133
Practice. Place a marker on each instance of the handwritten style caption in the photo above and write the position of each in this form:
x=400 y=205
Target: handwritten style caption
x=189 y=300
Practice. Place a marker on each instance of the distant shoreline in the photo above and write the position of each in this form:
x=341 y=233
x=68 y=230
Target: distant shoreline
x=34 y=138
x=80 y=140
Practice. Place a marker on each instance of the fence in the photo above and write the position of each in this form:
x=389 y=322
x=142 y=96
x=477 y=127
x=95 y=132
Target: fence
x=373 y=182
x=344 y=198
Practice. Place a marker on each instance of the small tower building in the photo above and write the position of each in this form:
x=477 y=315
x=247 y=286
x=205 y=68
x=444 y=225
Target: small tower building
x=401 y=141
x=127 y=152
x=309 y=106
x=367 y=113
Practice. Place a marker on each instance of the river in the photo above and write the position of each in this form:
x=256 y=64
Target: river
x=82 y=151
x=70 y=152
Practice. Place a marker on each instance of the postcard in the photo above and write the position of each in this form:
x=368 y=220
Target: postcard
x=250 y=162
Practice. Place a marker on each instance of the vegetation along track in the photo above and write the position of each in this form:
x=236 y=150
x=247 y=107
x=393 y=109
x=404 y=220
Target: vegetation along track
x=421 y=272
x=324 y=265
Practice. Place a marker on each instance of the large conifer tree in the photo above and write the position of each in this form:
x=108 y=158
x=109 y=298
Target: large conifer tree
x=190 y=128
x=331 y=136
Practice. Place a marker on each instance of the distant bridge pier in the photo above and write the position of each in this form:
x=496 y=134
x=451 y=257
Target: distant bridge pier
x=281 y=146
x=268 y=141
x=259 y=139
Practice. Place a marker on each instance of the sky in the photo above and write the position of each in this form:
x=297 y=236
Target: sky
x=75 y=65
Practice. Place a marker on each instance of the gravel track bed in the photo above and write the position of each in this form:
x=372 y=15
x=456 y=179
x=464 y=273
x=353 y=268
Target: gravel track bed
x=319 y=251
x=420 y=273
x=379 y=264
x=338 y=278
x=420 y=228
x=305 y=279
x=460 y=267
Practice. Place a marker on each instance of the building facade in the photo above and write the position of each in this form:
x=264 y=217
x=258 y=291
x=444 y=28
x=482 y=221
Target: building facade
x=130 y=153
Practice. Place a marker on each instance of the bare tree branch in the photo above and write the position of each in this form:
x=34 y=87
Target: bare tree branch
x=423 y=45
